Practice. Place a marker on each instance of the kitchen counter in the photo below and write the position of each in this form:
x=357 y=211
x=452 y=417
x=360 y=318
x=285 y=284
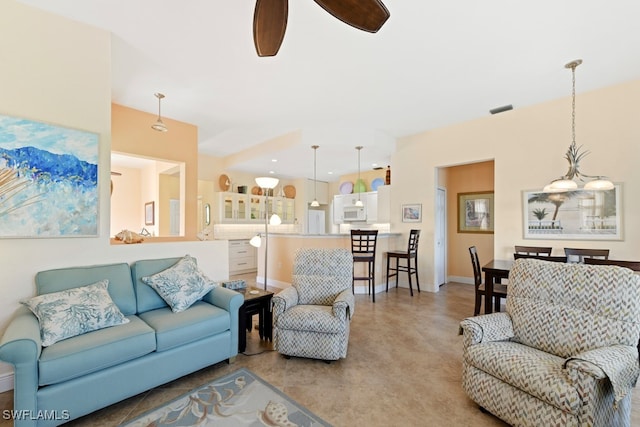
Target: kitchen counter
x=282 y=249
x=329 y=235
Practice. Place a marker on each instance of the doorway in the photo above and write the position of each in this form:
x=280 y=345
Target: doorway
x=440 y=238
x=457 y=180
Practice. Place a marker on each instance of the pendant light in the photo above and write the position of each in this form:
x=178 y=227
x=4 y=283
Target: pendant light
x=357 y=186
x=159 y=125
x=315 y=203
x=574 y=155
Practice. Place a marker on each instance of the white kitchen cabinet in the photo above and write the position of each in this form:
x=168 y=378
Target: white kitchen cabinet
x=242 y=257
x=376 y=205
x=384 y=204
x=371 y=206
x=256 y=208
x=233 y=207
x=338 y=208
x=284 y=207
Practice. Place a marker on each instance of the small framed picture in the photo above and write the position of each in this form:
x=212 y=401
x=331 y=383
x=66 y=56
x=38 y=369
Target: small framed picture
x=149 y=218
x=412 y=213
x=475 y=212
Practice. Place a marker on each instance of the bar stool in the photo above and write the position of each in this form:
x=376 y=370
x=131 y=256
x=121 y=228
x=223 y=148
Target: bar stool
x=410 y=254
x=363 y=249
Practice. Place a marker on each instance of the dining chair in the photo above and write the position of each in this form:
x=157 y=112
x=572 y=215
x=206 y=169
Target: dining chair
x=533 y=250
x=632 y=265
x=542 y=257
x=580 y=254
x=499 y=290
x=363 y=249
x=410 y=254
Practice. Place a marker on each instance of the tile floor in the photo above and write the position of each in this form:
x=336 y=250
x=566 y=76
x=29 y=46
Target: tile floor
x=403 y=368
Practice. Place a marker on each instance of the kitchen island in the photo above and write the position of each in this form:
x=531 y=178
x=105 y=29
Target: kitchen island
x=282 y=249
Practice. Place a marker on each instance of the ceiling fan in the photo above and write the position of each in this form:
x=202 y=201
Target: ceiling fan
x=270 y=19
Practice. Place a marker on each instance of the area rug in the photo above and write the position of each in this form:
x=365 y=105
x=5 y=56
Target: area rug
x=239 y=399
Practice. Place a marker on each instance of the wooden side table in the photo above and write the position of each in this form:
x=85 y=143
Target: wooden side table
x=254 y=303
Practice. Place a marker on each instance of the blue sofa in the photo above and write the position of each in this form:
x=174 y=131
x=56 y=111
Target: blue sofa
x=82 y=374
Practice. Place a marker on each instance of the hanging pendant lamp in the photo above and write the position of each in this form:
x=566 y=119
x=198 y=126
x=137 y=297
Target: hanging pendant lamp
x=359 y=182
x=159 y=124
x=569 y=181
x=315 y=202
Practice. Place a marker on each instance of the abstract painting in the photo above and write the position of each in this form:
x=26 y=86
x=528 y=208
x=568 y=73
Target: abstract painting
x=48 y=180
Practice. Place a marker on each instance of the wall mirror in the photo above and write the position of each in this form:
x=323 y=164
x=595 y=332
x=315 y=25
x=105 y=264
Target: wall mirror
x=138 y=181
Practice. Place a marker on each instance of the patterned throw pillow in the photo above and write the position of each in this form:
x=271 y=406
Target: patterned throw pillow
x=75 y=311
x=316 y=290
x=181 y=284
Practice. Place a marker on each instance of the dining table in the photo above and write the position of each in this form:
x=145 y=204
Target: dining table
x=494 y=271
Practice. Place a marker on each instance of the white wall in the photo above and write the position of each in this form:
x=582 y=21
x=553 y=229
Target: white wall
x=528 y=145
x=58 y=71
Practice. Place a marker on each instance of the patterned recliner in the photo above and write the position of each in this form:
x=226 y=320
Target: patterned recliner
x=564 y=352
x=311 y=318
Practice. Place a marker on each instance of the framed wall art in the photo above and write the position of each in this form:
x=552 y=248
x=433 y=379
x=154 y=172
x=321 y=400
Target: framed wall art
x=475 y=212
x=149 y=213
x=573 y=215
x=48 y=180
x=412 y=213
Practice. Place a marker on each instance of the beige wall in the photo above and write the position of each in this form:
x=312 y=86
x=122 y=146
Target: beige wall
x=528 y=146
x=60 y=72
x=132 y=134
x=469 y=178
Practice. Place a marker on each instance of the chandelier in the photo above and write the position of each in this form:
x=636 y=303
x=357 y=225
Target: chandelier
x=159 y=124
x=574 y=154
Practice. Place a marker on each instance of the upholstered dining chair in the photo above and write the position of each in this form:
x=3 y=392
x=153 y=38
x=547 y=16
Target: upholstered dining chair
x=410 y=254
x=312 y=317
x=578 y=255
x=541 y=257
x=631 y=265
x=499 y=290
x=533 y=250
x=363 y=249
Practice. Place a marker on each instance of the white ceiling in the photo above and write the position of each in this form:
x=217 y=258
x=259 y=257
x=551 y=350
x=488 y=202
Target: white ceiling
x=431 y=65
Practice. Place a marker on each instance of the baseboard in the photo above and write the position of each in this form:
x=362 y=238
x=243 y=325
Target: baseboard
x=6 y=382
x=272 y=283
x=460 y=279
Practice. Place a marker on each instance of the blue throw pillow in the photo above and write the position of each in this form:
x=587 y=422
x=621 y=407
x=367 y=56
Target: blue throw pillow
x=181 y=284
x=75 y=311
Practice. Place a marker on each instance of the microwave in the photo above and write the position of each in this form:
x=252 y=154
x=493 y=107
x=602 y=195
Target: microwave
x=354 y=213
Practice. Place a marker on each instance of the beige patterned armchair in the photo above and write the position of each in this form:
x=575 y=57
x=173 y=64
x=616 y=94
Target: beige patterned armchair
x=565 y=351
x=311 y=318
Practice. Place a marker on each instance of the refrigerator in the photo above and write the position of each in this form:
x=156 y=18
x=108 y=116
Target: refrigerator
x=315 y=222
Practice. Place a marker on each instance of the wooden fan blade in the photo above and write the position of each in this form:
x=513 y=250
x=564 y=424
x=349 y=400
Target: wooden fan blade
x=366 y=15
x=269 y=25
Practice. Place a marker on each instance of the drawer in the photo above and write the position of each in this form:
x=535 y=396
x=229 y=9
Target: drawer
x=242 y=263
x=241 y=251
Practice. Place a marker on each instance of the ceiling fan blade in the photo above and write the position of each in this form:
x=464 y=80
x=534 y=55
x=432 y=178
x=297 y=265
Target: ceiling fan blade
x=366 y=15
x=269 y=25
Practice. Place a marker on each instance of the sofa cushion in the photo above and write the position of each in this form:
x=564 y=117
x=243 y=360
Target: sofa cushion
x=76 y=311
x=312 y=318
x=175 y=329
x=118 y=275
x=533 y=371
x=583 y=306
x=94 y=351
x=180 y=285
